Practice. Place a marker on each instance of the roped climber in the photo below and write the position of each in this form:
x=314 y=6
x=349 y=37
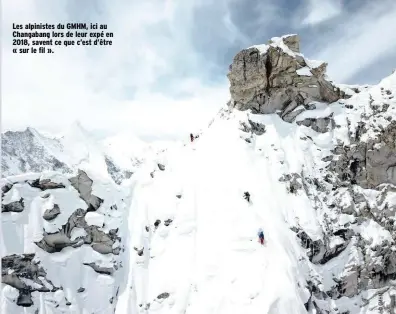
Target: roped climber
x=261 y=236
x=246 y=196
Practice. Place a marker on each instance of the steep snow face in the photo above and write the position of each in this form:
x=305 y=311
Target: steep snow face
x=194 y=245
x=129 y=152
x=61 y=244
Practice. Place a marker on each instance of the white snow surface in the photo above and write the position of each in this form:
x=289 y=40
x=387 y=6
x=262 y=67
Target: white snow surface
x=19 y=231
x=305 y=71
x=208 y=259
x=372 y=232
x=197 y=235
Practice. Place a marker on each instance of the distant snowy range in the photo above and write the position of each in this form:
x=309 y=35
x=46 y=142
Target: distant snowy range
x=122 y=226
x=116 y=157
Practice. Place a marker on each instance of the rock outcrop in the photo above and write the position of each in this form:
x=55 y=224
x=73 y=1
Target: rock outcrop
x=26 y=275
x=16 y=207
x=83 y=184
x=46 y=184
x=358 y=185
x=82 y=239
x=99 y=240
x=351 y=186
x=276 y=77
x=51 y=213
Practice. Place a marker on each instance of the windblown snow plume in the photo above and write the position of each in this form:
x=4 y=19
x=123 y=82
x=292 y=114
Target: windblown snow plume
x=318 y=163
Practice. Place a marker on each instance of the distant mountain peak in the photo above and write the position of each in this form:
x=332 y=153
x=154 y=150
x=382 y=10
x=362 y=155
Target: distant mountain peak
x=31 y=151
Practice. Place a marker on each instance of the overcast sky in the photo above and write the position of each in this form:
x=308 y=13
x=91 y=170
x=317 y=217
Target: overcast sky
x=165 y=74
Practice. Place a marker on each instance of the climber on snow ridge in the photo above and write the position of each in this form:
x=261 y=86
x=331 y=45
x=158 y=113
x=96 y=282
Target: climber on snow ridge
x=191 y=137
x=261 y=236
x=246 y=196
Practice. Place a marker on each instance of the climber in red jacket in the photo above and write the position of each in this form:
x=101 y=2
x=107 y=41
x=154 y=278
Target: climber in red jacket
x=261 y=236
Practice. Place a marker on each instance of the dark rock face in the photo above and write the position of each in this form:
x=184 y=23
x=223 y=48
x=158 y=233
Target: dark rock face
x=46 y=184
x=16 y=268
x=167 y=222
x=294 y=180
x=164 y=295
x=253 y=127
x=140 y=252
x=99 y=241
x=161 y=167
x=99 y=269
x=7 y=187
x=52 y=213
x=25 y=298
x=321 y=125
x=83 y=184
x=370 y=163
x=16 y=207
x=319 y=252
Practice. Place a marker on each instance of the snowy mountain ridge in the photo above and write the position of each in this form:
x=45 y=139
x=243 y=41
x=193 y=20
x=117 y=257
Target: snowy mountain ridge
x=116 y=156
x=318 y=160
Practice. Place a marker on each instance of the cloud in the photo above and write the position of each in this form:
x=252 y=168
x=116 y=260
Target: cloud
x=165 y=73
x=150 y=81
x=356 y=42
x=317 y=12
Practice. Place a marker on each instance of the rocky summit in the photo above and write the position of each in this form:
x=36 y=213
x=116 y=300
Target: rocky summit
x=284 y=204
x=277 y=77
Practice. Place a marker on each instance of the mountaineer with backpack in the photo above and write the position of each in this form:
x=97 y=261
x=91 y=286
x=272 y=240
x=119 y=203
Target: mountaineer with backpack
x=246 y=196
x=261 y=236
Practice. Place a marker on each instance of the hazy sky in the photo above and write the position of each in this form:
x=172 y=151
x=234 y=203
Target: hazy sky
x=165 y=74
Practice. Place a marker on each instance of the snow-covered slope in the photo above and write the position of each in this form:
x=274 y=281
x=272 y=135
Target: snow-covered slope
x=194 y=245
x=203 y=255
x=61 y=243
x=322 y=183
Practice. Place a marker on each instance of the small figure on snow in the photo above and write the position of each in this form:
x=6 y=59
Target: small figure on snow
x=191 y=137
x=246 y=196
x=261 y=236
